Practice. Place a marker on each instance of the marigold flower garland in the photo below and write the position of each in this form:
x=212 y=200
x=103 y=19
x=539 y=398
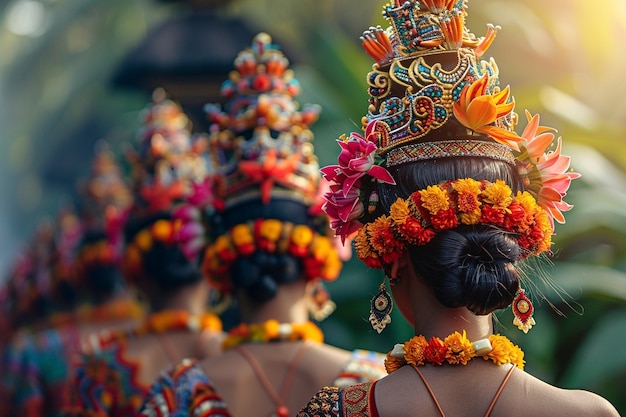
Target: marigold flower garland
x=415 y=221
x=455 y=349
x=271 y=331
x=165 y=321
x=319 y=254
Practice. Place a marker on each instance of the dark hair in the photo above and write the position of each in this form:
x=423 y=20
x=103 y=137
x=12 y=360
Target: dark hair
x=101 y=280
x=260 y=274
x=469 y=266
x=164 y=265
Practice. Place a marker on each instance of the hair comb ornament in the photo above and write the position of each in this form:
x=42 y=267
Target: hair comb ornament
x=171 y=183
x=432 y=96
x=262 y=156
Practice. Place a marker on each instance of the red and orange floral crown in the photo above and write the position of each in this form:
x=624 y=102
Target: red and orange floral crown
x=318 y=253
x=427 y=76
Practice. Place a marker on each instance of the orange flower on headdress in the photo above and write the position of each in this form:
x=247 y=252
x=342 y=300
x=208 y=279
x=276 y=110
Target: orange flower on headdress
x=477 y=111
x=546 y=173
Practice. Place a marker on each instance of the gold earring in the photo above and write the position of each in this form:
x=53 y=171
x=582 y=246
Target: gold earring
x=380 y=309
x=523 y=311
x=319 y=303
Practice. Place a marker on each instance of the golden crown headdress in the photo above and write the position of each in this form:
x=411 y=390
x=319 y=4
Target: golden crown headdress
x=431 y=98
x=424 y=61
x=260 y=143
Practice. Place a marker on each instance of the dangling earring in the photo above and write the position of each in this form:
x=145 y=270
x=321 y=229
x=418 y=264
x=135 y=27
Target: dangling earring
x=523 y=311
x=380 y=309
x=219 y=301
x=319 y=303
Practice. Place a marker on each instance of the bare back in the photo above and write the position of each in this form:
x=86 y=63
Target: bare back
x=464 y=391
x=236 y=382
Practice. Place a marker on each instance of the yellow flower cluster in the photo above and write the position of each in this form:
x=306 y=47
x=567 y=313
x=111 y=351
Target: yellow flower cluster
x=455 y=349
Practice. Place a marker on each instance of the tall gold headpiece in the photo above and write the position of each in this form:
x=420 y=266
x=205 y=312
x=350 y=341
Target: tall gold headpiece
x=261 y=144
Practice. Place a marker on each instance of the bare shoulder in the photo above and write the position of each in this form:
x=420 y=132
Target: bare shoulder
x=545 y=399
x=330 y=354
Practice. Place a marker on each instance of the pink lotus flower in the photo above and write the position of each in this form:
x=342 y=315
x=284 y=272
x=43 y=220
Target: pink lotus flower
x=357 y=159
x=546 y=172
x=344 y=211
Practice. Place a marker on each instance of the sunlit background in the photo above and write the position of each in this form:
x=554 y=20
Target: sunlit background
x=76 y=72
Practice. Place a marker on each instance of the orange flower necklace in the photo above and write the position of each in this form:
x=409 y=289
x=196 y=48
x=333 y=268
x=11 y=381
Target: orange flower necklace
x=114 y=310
x=167 y=321
x=455 y=349
x=272 y=331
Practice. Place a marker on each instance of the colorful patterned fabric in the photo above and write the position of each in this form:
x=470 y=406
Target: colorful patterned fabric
x=106 y=384
x=46 y=372
x=175 y=393
x=184 y=391
x=10 y=376
x=353 y=401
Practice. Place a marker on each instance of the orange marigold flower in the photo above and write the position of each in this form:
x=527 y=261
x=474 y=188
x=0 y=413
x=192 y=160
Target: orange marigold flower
x=470 y=218
x=444 y=219
x=501 y=349
x=492 y=215
x=411 y=230
x=362 y=244
x=460 y=349
x=271 y=229
x=392 y=363
x=498 y=194
x=415 y=349
x=380 y=234
x=302 y=235
x=434 y=199
x=468 y=190
x=435 y=352
x=400 y=211
x=241 y=234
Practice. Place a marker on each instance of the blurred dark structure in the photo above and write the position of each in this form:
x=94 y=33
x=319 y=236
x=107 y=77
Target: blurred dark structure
x=189 y=54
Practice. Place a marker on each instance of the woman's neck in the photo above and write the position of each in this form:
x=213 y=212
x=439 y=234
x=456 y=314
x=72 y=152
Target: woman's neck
x=192 y=298
x=444 y=323
x=431 y=318
x=287 y=306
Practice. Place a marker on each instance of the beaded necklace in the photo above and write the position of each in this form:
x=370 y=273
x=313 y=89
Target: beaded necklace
x=455 y=349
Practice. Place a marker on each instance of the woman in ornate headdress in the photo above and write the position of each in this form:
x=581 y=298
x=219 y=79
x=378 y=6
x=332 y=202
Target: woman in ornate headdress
x=444 y=196
x=164 y=235
x=271 y=251
x=82 y=262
